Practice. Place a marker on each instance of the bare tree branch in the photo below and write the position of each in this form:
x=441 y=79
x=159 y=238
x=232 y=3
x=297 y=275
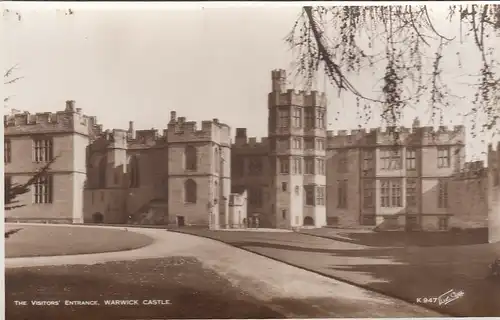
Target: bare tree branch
x=347 y=40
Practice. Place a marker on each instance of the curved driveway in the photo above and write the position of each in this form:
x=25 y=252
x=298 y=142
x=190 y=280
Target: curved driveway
x=281 y=286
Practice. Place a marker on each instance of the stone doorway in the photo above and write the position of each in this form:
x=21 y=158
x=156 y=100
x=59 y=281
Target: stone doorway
x=97 y=217
x=308 y=221
x=180 y=221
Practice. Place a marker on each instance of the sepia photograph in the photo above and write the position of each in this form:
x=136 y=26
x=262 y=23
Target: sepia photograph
x=252 y=160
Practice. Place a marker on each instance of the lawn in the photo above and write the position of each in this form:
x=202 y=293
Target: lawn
x=192 y=290
x=408 y=273
x=404 y=239
x=43 y=240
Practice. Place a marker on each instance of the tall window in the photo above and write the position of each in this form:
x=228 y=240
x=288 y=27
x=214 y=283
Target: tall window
x=309 y=164
x=7 y=151
x=42 y=150
x=309 y=118
x=309 y=194
x=368 y=193
x=320 y=166
x=443 y=160
x=496 y=177
x=442 y=194
x=390 y=158
x=297 y=143
x=367 y=160
x=342 y=194
x=320 y=195
x=134 y=172
x=411 y=192
x=320 y=119
x=43 y=189
x=297 y=117
x=255 y=166
x=396 y=193
x=390 y=193
x=342 y=161
x=411 y=159
x=284 y=165
x=102 y=176
x=7 y=189
x=191 y=158
x=309 y=143
x=190 y=192
x=284 y=118
x=297 y=165
x=320 y=144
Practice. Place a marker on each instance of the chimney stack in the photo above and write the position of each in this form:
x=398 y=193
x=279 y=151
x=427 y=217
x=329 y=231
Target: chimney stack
x=70 y=105
x=173 y=116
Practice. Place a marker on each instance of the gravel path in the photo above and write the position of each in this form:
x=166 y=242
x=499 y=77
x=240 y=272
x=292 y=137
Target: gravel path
x=291 y=291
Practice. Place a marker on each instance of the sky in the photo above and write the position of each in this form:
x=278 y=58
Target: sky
x=123 y=65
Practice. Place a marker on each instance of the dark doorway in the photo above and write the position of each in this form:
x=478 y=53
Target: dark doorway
x=308 y=221
x=97 y=217
x=180 y=221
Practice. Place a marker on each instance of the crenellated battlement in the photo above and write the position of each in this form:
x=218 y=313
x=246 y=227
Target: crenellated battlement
x=424 y=135
x=179 y=129
x=292 y=97
x=70 y=120
x=355 y=132
x=473 y=170
x=281 y=96
x=242 y=141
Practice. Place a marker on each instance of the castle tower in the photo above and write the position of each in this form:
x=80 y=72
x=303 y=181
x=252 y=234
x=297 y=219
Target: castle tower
x=199 y=174
x=32 y=141
x=297 y=134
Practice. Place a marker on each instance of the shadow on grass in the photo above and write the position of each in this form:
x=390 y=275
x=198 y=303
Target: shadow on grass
x=193 y=291
x=407 y=273
x=457 y=237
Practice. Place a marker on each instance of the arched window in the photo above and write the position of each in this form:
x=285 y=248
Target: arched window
x=134 y=172
x=103 y=163
x=190 y=193
x=191 y=158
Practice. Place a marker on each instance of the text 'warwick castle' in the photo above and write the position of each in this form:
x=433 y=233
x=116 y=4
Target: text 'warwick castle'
x=299 y=176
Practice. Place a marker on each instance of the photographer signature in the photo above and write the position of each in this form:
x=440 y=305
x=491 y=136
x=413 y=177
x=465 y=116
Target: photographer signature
x=444 y=299
x=449 y=296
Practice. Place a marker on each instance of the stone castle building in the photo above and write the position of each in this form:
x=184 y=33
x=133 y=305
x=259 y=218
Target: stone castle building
x=30 y=141
x=284 y=173
x=181 y=177
x=300 y=175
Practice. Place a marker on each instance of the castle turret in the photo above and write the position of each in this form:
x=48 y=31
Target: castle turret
x=297 y=134
x=279 y=80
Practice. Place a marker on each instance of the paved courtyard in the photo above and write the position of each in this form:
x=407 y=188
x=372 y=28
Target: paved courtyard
x=286 y=290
